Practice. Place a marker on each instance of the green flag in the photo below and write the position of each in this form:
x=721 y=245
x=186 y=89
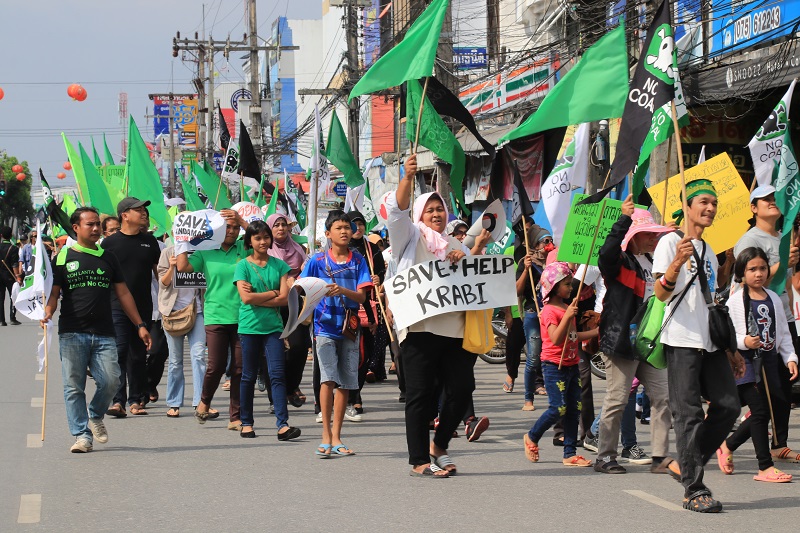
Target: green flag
x=68 y=205
x=98 y=194
x=193 y=202
x=273 y=202
x=786 y=181
x=436 y=136
x=211 y=171
x=368 y=209
x=114 y=179
x=142 y=179
x=77 y=170
x=259 y=201
x=410 y=59
x=595 y=89
x=212 y=186
x=109 y=157
x=339 y=153
x=97 y=160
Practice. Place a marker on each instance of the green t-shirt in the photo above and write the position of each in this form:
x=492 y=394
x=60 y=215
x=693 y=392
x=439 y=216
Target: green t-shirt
x=257 y=319
x=221 y=305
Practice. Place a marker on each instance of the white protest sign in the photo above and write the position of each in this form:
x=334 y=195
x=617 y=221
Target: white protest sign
x=315 y=290
x=248 y=211
x=198 y=230
x=436 y=287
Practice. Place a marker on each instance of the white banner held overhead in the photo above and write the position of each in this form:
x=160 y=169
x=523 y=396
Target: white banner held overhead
x=198 y=230
x=436 y=287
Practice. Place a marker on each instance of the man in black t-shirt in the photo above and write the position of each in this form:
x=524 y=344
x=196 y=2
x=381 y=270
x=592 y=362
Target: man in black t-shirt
x=86 y=276
x=138 y=254
x=9 y=273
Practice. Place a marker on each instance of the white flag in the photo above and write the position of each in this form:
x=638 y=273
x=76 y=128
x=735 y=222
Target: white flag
x=319 y=162
x=569 y=172
x=702 y=157
x=765 y=146
x=38 y=282
x=230 y=167
x=49 y=339
x=354 y=199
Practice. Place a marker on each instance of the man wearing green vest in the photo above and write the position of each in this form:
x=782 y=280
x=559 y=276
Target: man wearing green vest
x=86 y=276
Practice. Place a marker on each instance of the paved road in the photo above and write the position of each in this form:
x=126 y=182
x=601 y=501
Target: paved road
x=162 y=474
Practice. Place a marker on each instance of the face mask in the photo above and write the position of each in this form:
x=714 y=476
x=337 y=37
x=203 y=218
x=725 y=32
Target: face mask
x=549 y=247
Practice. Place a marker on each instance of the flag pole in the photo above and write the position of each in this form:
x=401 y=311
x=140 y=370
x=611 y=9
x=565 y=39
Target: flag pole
x=769 y=401
x=377 y=294
x=530 y=272
x=677 y=134
x=44 y=395
x=666 y=183
x=583 y=277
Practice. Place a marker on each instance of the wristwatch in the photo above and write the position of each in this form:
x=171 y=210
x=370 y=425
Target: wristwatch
x=141 y=325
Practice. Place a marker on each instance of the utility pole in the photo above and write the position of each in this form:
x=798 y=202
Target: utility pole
x=171 y=174
x=255 y=88
x=351 y=14
x=200 y=86
x=210 y=102
x=493 y=34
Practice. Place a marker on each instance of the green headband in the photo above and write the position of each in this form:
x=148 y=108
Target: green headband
x=694 y=188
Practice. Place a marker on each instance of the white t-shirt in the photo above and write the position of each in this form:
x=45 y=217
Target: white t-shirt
x=593 y=277
x=649 y=281
x=688 y=327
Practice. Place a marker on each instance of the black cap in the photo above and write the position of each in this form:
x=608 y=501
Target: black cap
x=130 y=203
x=356 y=215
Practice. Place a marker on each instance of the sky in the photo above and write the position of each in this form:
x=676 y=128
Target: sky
x=107 y=46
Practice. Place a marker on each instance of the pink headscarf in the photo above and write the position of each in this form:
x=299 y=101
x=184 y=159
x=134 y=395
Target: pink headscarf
x=435 y=241
x=287 y=250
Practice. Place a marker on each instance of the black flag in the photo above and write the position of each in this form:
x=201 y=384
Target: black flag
x=248 y=162
x=652 y=86
x=224 y=134
x=522 y=207
x=57 y=215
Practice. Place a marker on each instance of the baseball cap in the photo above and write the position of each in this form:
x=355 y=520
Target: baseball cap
x=761 y=191
x=130 y=203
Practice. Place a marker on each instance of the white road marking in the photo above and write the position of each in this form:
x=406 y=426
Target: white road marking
x=654 y=499
x=39 y=377
x=37 y=402
x=35 y=440
x=30 y=509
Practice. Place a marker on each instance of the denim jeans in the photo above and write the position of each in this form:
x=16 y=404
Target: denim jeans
x=628 y=426
x=176 y=381
x=254 y=349
x=564 y=394
x=533 y=362
x=79 y=351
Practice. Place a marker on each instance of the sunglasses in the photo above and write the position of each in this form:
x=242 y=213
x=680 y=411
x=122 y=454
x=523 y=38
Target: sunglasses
x=547 y=240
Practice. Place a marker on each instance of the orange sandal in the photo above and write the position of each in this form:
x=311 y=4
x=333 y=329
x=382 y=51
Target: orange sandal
x=531 y=449
x=773 y=475
x=576 y=460
x=786 y=455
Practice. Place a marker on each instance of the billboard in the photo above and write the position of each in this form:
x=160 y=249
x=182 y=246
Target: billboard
x=742 y=24
x=531 y=81
x=184 y=111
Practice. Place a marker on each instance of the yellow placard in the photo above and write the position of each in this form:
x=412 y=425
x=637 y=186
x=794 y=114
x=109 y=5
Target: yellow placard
x=733 y=209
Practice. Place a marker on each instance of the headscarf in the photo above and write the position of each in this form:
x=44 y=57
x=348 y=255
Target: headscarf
x=551 y=275
x=287 y=250
x=694 y=188
x=434 y=241
x=453 y=225
x=358 y=244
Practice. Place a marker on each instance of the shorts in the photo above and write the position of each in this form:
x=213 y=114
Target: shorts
x=338 y=361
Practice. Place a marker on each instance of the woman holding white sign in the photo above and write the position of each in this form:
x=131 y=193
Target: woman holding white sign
x=432 y=348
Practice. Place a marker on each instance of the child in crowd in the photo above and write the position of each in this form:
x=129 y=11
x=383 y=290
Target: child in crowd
x=560 y=340
x=336 y=326
x=762 y=334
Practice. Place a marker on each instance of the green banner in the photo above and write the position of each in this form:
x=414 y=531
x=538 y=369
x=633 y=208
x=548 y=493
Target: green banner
x=580 y=228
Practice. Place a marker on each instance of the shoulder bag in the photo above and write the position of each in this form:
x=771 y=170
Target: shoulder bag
x=720 y=325
x=180 y=322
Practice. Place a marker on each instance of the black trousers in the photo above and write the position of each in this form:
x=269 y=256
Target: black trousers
x=5 y=287
x=132 y=356
x=693 y=375
x=428 y=359
x=756 y=426
x=156 y=358
x=515 y=342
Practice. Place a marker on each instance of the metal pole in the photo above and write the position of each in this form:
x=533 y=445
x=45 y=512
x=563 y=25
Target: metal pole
x=210 y=101
x=171 y=175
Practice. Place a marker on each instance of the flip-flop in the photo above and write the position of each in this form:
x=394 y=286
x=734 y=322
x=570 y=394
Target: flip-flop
x=341 y=449
x=117 y=411
x=786 y=455
x=137 y=409
x=508 y=387
x=176 y=412
x=667 y=466
x=541 y=391
x=725 y=460
x=531 y=449
x=773 y=475
x=430 y=472
x=325 y=453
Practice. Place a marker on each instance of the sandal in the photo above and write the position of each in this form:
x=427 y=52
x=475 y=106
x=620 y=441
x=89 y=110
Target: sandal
x=323 y=451
x=212 y=414
x=226 y=385
x=725 y=462
x=443 y=461
x=117 y=411
x=527 y=407
x=508 y=386
x=341 y=449
x=201 y=416
x=174 y=412
x=531 y=449
x=154 y=397
x=137 y=409
x=431 y=471
x=667 y=466
x=300 y=395
x=541 y=391
x=576 y=460
x=773 y=475
x=786 y=455
x=702 y=503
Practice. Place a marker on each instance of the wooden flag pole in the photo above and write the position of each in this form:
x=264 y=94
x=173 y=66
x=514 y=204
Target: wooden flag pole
x=583 y=277
x=44 y=395
x=677 y=133
x=530 y=272
x=377 y=293
x=415 y=146
x=666 y=183
x=605 y=181
x=769 y=403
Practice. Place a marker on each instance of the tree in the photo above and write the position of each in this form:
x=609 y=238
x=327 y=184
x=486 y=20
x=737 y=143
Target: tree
x=16 y=204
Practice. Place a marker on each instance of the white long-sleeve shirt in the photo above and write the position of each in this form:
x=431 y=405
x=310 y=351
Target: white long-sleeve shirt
x=783 y=339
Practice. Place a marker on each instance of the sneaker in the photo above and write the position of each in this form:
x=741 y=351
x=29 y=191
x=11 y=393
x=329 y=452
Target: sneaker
x=635 y=455
x=82 y=445
x=98 y=429
x=591 y=442
x=261 y=383
x=352 y=415
x=402 y=397
x=15 y=322
x=319 y=418
x=645 y=421
x=475 y=427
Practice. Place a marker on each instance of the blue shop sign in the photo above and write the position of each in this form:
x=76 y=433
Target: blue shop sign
x=470 y=57
x=340 y=189
x=740 y=25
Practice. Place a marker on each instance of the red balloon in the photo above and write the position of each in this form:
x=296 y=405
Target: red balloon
x=61 y=175
x=17 y=168
x=21 y=176
x=76 y=92
x=2 y=94
x=67 y=166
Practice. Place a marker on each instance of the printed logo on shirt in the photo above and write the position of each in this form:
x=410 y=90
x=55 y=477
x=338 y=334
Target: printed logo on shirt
x=72 y=266
x=101 y=271
x=765 y=321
